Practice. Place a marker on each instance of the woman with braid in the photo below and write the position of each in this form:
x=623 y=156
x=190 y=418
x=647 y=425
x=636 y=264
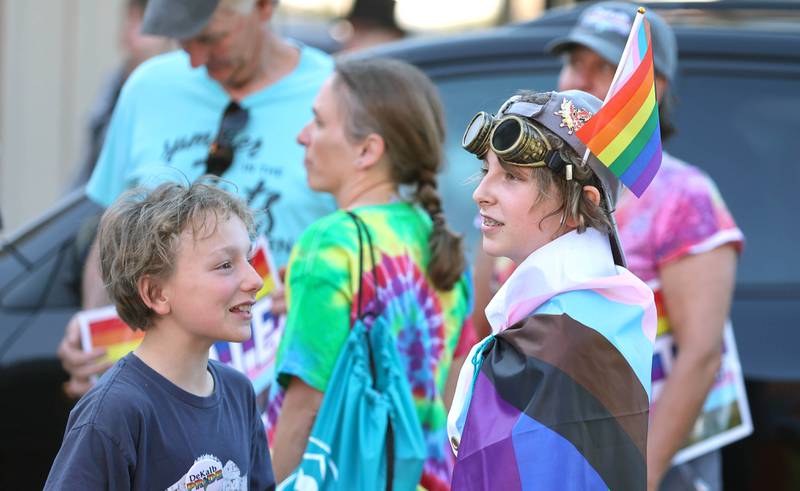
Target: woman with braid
x=375 y=144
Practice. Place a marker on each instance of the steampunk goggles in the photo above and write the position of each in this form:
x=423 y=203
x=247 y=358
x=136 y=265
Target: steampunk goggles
x=511 y=136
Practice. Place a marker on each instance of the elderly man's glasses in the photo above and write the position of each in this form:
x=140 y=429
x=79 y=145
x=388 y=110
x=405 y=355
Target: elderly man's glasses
x=221 y=151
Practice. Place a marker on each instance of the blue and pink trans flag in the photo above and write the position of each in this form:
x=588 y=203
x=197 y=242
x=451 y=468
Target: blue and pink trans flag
x=566 y=412
x=557 y=398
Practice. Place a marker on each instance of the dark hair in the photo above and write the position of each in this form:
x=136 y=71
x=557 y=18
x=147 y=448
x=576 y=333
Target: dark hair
x=411 y=123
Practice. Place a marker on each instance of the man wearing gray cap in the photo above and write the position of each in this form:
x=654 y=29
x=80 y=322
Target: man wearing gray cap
x=678 y=237
x=230 y=103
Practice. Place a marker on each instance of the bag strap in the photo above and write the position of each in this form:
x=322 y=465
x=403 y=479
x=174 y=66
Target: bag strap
x=361 y=227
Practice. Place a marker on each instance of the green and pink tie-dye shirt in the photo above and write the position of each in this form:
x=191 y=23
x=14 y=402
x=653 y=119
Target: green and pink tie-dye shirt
x=322 y=283
x=680 y=214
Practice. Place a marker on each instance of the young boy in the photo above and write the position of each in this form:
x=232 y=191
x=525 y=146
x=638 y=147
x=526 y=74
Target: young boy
x=557 y=397
x=175 y=263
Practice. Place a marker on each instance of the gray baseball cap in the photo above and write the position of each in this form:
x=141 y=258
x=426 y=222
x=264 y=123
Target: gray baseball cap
x=564 y=114
x=604 y=28
x=178 y=19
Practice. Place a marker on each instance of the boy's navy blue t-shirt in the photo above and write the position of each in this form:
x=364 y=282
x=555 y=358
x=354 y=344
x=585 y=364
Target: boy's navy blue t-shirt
x=137 y=430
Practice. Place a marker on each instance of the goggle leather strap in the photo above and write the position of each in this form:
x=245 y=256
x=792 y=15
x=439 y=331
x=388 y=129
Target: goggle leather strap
x=554 y=162
x=527 y=109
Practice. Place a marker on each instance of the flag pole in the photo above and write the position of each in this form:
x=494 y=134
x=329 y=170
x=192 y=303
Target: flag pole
x=634 y=28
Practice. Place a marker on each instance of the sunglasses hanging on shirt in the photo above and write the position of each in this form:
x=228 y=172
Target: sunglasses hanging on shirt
x=221 y=151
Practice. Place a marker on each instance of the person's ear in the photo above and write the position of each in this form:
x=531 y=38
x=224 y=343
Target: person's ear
x=592 y=194
x=589 y=192
x=662 y=85
x=153 y=294
x=373 y=149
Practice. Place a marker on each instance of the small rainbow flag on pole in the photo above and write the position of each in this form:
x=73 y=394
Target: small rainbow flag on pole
x=624 y=134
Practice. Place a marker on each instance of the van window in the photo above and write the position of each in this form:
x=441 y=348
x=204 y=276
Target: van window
x=747 y=140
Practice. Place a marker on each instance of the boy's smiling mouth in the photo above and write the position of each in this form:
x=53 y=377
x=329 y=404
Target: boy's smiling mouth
x=242 y=308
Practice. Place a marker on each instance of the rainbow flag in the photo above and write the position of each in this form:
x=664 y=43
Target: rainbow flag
x=103 y=328
x=624 y=134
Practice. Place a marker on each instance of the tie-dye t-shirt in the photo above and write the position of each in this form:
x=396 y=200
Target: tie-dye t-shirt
x=680 y=214
x=322 y=284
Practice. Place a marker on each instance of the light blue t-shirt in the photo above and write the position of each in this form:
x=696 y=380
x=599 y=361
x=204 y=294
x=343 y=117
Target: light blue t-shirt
x=168 y=114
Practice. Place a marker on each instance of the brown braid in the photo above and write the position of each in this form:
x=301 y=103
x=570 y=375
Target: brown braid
x=447 y=250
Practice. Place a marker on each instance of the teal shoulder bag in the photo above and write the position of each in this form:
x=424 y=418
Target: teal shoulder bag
x=367 y=435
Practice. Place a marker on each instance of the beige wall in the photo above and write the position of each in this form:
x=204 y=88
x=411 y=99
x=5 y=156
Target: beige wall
x=54 y=55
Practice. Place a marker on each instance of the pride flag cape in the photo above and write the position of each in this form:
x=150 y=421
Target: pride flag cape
x=624 y=134
x=558 y=397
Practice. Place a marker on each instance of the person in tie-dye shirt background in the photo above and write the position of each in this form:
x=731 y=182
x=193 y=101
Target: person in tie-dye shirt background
x=377 y=126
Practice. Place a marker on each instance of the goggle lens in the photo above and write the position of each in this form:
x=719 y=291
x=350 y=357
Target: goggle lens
x=476 y=137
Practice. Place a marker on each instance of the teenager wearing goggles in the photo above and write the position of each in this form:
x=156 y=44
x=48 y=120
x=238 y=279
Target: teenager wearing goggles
x=562 y=382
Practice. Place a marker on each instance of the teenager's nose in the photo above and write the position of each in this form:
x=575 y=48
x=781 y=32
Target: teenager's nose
x=482 y=194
